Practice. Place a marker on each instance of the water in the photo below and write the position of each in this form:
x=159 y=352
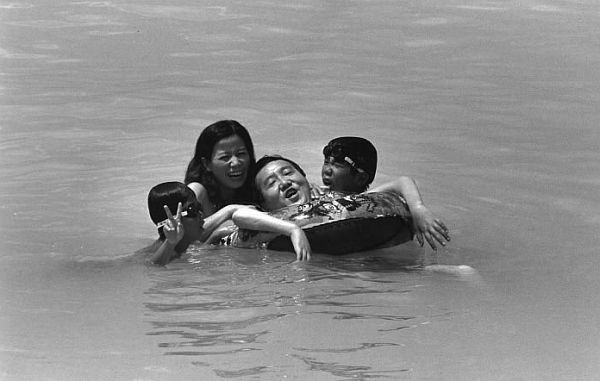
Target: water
x=491 y=106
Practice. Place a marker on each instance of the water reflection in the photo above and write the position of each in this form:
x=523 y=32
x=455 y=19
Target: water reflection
x=277 y=314
x=348 y=371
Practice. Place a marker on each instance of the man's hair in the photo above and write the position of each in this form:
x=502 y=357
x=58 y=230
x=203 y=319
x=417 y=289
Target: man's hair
x=263 y=161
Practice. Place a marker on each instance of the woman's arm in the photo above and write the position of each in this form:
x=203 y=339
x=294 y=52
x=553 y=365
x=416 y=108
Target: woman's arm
x=217 y=220
x=426 y=225
x=247 y=218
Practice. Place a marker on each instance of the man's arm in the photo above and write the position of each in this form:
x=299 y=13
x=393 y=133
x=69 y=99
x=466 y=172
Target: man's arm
x=253 y=219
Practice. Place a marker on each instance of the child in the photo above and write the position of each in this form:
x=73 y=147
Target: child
x=176 y=212
x=349 y=166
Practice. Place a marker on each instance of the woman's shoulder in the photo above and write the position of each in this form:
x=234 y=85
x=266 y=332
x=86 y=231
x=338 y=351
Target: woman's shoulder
x=201 y=193
x=198 y=189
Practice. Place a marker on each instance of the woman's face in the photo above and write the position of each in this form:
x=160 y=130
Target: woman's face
x=282 y=185
x=229 y=162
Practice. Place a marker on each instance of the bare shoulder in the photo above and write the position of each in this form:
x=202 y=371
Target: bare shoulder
x=198 y=189
x=202 y=197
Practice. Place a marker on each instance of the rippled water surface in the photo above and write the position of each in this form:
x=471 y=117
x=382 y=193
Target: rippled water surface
x=492 y=106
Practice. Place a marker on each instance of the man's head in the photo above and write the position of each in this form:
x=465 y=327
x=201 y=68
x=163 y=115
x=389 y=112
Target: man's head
x=349 y=164
x=280 y=182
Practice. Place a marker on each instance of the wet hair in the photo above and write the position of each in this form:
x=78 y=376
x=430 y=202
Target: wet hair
x=169 y=194
x=260 y=164
x=360 y=151
x=263 y=161
x=197 y=172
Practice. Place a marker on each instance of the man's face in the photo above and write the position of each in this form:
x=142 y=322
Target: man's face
x=282 y=185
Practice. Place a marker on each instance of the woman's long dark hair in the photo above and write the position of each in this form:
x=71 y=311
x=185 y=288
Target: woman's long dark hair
x=197 y=172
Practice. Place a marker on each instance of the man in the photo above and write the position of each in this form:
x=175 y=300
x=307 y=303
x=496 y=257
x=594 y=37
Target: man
x=281 y=182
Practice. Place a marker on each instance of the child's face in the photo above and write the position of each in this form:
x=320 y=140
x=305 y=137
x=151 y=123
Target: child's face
x=229 y=162
x=339 y=176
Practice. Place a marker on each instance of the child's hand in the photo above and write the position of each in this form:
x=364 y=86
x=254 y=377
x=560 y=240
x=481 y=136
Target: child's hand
x=173 y=229
x=301 y=244
x=316 y=191
x=429 y=228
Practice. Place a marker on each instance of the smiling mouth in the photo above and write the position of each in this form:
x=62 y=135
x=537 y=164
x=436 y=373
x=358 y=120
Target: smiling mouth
x=236 y=174
x=290 y=193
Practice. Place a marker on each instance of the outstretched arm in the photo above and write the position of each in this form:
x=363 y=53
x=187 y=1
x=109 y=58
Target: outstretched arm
x=427 y=227
x=253 y=219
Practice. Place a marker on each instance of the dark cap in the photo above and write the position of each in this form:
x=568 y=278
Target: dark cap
x=358 y=152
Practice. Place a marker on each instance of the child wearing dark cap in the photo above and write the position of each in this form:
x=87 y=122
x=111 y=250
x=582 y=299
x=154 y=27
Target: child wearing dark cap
x=349 y=166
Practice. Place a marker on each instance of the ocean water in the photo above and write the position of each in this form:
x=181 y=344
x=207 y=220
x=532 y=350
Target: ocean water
x=492 y=106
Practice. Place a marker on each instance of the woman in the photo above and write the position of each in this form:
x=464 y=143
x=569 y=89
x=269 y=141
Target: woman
x=222 y=169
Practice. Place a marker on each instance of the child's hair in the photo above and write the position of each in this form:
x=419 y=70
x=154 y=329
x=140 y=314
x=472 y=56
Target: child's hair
x=358 y=152
x=260 y=164
x=169 y=194
x=197 y=172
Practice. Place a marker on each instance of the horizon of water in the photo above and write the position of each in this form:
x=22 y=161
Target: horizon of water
x=492 y=106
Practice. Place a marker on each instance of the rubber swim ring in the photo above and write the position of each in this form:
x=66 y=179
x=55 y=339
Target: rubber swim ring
x=339 y=224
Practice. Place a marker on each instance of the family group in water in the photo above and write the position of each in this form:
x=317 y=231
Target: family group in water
x=225 y=184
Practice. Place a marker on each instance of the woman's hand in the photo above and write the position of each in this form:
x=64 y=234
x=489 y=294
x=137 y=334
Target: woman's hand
x=301 y=244
x=173 y=229
x=428 y=228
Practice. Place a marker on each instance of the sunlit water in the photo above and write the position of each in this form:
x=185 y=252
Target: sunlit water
x=492 y=106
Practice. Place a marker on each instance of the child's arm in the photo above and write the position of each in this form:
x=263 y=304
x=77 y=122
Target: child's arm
x=163 y=254
x=253 y=219
x=426 y=225
x=173 y=231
